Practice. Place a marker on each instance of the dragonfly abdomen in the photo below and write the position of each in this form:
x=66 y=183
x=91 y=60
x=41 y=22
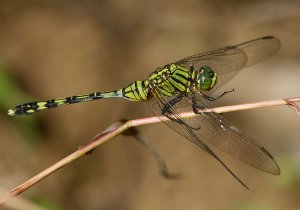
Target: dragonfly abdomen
x=137 y=91
x=29 y=108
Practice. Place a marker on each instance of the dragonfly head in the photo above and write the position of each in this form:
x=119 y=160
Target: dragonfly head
x=206 y=78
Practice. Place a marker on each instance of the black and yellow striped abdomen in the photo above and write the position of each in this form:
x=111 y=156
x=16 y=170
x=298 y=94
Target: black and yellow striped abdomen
x=137 y=91
x=29 y=108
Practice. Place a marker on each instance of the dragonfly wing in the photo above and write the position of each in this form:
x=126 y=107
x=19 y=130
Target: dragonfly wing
x=181 y=126
x=223 y=135
x=259 y=49
x=211 y=128
x=228 y=61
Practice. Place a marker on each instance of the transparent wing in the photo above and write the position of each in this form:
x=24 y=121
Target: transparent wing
x=181 y=126
x=228 y=61
x=213 y=129
x=226 y=137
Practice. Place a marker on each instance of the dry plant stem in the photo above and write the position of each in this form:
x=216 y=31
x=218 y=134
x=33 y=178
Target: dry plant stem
x=112 y=132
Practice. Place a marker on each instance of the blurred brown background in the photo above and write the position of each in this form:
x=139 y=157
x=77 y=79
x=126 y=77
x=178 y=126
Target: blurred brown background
x=57 y=48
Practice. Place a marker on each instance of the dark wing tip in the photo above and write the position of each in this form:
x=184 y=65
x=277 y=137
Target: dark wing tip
x=275 y=170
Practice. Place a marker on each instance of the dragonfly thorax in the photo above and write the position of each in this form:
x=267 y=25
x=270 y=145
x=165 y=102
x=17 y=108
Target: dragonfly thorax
x=206 y=78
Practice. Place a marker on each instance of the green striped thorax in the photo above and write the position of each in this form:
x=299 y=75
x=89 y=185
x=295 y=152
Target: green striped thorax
x=173 y=79
x=206 y=78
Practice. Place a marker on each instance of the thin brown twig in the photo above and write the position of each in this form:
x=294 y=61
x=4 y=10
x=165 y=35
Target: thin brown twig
x=115 y=130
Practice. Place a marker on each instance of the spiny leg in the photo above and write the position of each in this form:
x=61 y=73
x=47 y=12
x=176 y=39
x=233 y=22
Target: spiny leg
x=224 y=93
x=195 y=106
x=171 y=103
x=167 y=107
x=218 y=97
x=166 y=111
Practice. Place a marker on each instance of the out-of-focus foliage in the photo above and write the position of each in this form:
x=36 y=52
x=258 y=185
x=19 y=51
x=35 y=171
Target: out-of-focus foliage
x=10 y=92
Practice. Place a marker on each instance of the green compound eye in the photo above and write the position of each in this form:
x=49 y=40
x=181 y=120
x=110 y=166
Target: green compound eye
x=207 y=78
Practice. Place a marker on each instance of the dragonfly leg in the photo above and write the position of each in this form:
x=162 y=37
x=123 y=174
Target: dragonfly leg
x=218 y=97
x=209 y=97
x=224 y=93
x=167 y=111
x=171 y=103
x=194 y=104
x=196 y=108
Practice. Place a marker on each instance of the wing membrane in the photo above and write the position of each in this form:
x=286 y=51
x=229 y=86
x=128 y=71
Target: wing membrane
x=226 y=137
x=215 y=130
x=228 y=61
x=157 y=104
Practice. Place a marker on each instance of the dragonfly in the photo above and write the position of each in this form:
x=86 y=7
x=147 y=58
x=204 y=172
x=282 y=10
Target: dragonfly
x=187 y=85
